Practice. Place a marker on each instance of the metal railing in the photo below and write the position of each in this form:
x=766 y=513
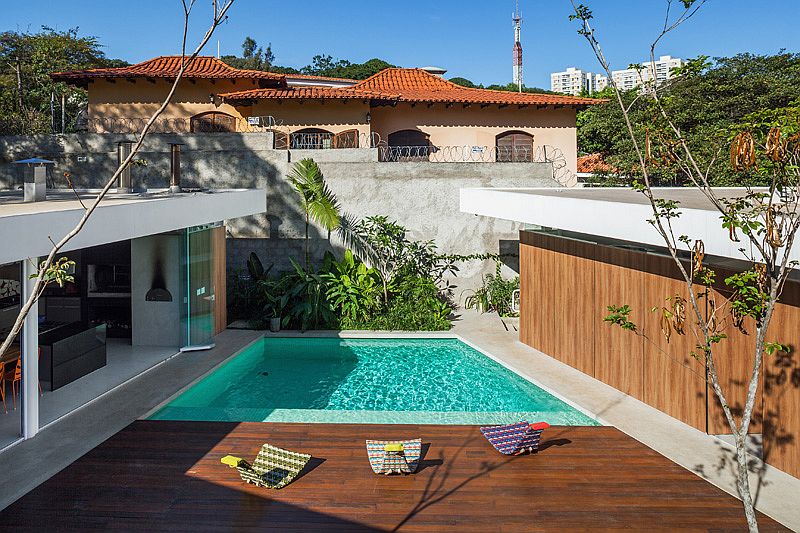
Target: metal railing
x=178 y=125
x=482 y=154
x=324 y=140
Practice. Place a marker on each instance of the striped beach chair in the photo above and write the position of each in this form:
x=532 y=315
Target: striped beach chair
x=394 y=456
x=274 y=468
x=514 y=439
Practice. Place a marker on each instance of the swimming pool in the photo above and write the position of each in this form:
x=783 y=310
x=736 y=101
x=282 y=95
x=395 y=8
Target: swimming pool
x=381 y=381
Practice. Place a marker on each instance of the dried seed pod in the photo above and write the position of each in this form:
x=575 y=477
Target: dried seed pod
x=679 y=314
x=775 y=146
x=774 y=228
x=666 y=327
x=743 y=152
x=698 y=254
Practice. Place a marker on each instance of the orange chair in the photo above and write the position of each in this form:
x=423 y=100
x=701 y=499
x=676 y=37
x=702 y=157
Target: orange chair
x=3 y=385
x=15 y=377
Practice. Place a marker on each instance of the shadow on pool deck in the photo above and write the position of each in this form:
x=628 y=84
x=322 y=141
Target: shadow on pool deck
x=162 y=475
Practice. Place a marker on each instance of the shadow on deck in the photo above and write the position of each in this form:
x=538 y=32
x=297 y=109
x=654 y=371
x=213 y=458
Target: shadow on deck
x=166 y=475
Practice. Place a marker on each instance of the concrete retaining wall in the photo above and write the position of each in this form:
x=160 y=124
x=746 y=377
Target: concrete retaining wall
x=422 y=196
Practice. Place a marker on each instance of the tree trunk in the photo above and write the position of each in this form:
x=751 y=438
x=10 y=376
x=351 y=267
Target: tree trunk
x=18 y=70
x=306 y=245
x=743 y=483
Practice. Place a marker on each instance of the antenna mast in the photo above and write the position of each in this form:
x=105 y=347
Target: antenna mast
x=517 y=62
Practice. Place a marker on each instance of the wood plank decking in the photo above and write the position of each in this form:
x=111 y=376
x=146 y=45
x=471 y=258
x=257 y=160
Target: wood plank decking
x=163 y=475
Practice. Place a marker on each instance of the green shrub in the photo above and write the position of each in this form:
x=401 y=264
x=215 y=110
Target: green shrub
x=495 y=294
x=416 y=306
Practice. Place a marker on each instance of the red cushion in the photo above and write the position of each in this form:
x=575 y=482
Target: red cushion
x=540 y=425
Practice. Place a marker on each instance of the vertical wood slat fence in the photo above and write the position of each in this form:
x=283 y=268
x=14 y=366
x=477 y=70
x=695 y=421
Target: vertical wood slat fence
x=566 y=285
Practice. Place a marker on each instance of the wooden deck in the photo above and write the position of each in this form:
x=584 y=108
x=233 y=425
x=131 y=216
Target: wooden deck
x=160 y=475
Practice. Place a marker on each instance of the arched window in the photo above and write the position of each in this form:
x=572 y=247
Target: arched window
x=514 y=146
x=213 y=122
x=310 y=139
x=409 y=138
x=408 y=145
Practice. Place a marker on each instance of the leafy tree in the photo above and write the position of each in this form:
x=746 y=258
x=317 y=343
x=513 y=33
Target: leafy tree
x=464 y=82
x=253 y=57
x=325 y=65
x=26 y=90
x=705 y=100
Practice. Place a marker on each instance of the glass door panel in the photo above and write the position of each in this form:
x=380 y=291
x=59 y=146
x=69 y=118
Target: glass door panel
x=199 y=298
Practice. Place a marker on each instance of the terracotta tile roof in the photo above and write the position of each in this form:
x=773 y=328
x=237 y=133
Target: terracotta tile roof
x=416 y=85
x=591 y=163
x=202 y=67
x=308 y=92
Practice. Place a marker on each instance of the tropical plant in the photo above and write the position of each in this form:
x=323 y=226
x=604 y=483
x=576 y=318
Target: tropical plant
x=317 y=200
x=307 y=298
x=353 y=290
x=495 y=293
x=416 y=306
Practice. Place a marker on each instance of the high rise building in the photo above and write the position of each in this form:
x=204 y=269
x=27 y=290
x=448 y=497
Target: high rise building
x=658 y=71
x=517 y=54
x=573 y=81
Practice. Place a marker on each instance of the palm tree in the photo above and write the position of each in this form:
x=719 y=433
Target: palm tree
x=317 y=200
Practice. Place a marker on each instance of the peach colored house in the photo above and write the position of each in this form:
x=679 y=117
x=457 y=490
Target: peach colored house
x=409 y=114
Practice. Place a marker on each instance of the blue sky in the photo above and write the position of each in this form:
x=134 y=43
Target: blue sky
x=471 y=38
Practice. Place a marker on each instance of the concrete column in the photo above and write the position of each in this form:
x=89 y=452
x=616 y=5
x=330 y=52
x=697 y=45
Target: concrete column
x=30 y=355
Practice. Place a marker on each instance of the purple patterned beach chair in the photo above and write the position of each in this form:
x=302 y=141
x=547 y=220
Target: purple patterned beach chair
x=514 y=439
x=394 y=456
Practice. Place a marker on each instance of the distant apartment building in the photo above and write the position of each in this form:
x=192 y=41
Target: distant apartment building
x=660 y=71
x=574 y=80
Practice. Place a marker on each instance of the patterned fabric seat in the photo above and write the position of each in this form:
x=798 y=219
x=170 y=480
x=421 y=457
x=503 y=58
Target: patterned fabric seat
x=514 y=439
x=273 y=468
x=394 y=456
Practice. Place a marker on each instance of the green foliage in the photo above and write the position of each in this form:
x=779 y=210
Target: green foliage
x=495 y=294
x=708 y=101
x=59 y=272
x=416 y=306
x=772 y=348
x=316 y=199
x=26 y=60
x=749 y=298
x=620 y=316
x=353 y=290
x=253 y=57
x=325 y=65
x=464 y=82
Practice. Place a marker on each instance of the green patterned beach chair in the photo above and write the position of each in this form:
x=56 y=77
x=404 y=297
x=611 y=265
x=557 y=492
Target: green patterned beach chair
x=274 y=468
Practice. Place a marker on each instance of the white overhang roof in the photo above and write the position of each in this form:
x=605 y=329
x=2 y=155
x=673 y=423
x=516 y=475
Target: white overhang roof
x=614 y=213
x=26 y=229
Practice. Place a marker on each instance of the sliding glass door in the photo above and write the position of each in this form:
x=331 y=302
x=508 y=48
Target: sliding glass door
x=197 y=315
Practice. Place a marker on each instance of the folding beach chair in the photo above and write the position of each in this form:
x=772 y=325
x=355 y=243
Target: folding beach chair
x=514 y=439
x=394 y=456
x=274 y=468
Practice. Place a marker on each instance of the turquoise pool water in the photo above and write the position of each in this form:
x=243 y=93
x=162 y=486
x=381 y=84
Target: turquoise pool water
x=382 y=381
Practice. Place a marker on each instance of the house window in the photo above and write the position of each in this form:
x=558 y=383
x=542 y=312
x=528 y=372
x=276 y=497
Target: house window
x=514 y=146
x=408 y=145
x=213 y=122
x=311 y=139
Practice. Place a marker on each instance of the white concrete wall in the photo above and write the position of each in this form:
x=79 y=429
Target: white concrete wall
x=155 y=323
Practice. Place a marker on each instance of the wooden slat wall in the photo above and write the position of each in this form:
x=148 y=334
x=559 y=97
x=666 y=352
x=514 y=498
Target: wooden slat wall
x=619 y=356
x=566 y=286
x=782 y=386
x=674 y=381
x=220 y=278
